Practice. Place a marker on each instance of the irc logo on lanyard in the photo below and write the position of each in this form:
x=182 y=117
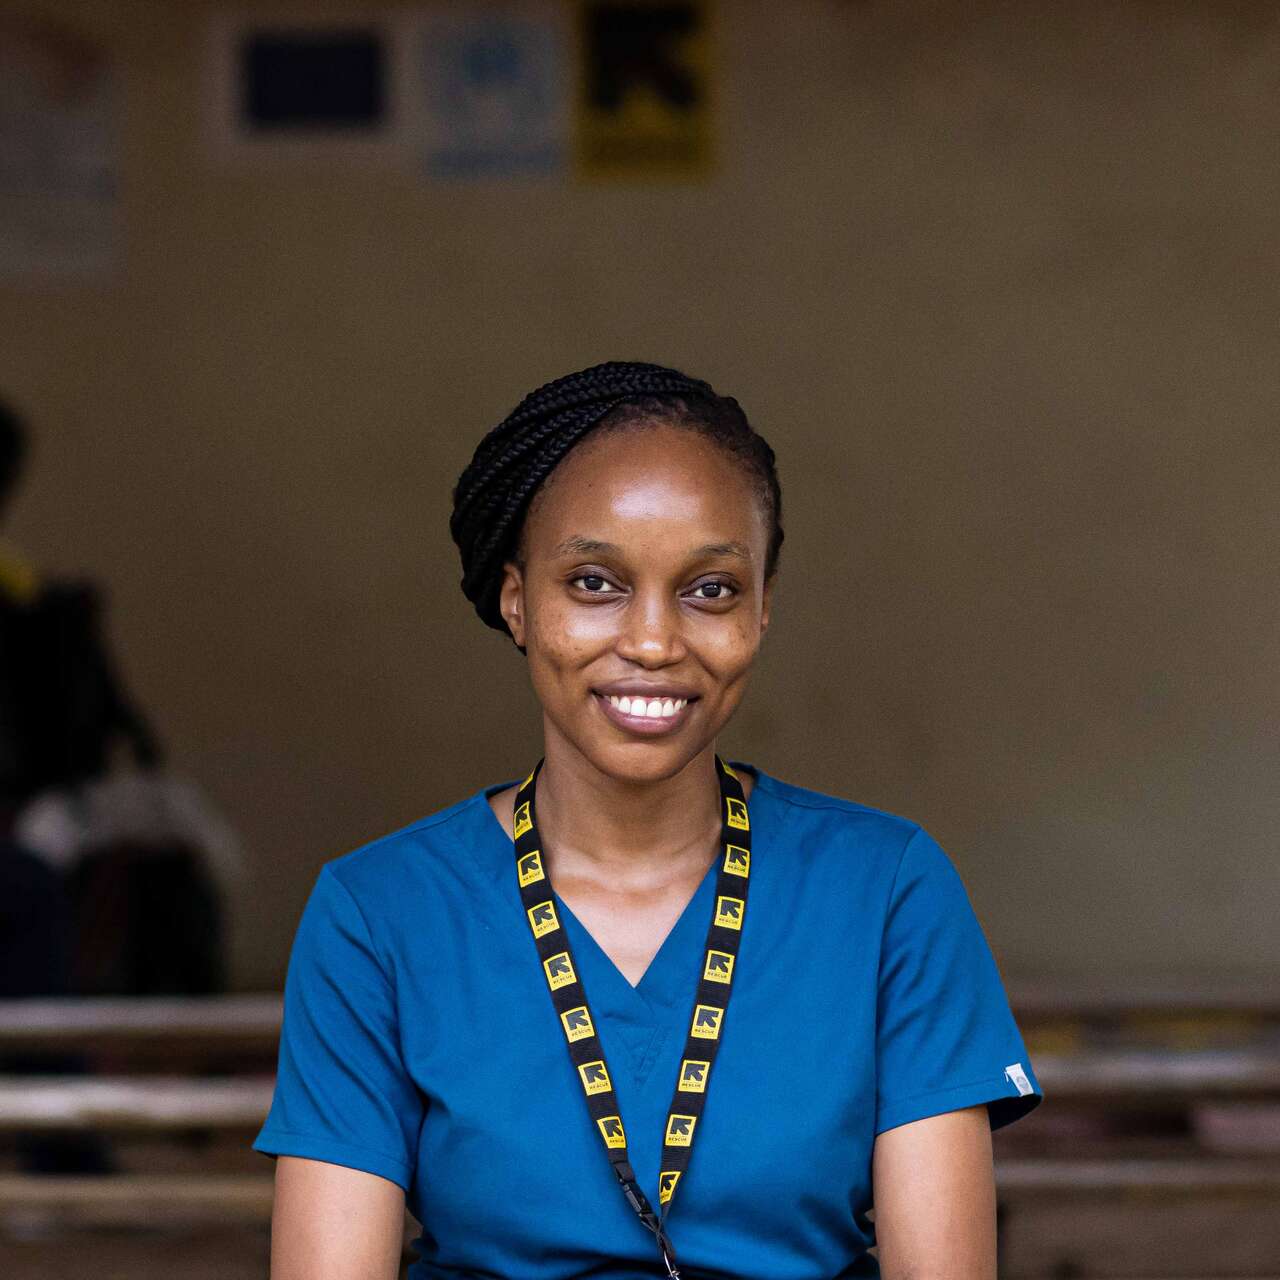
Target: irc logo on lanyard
x=530 y=868
x=523 y=822
x=714 y=983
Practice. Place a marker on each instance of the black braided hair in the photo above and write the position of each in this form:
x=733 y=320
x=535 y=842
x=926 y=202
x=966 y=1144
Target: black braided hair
x=493 y=493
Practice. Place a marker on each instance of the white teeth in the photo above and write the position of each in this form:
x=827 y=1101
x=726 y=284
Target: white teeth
x=654 y=709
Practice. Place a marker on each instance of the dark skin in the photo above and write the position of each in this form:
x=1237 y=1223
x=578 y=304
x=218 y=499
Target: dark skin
x=672 y=591
x=630 y=823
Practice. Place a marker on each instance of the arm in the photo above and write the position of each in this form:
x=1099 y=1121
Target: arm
x=951 y=1066
x=346 y=1111
x=335 y=1222
x=934 y=1193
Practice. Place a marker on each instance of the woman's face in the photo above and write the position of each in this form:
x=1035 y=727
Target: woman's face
x=643 y=580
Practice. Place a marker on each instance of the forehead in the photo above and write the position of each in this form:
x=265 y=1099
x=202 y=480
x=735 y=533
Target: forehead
x=647 y=482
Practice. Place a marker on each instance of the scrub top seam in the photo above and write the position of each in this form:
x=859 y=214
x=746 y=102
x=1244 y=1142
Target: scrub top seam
x=323 y=1139
x=782 y=789
x=388 y=971
x=884 y=925
x=951 y=1088
x=893 y=887
x=458 y=809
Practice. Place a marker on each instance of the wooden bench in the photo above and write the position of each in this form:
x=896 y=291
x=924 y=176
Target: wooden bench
x=133 y=1102
x=125 y=1040
x=160 y=1101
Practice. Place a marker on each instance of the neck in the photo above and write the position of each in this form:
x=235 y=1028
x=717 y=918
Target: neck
x=616 y=827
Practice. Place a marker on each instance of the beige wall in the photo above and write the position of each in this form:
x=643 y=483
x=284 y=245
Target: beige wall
x=1000 y=286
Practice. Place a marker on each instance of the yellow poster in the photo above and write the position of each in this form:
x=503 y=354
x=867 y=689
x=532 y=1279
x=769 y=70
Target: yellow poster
x=644 y=106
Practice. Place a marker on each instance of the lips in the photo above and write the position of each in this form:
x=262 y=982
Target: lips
x=647 y=689
x=644 y=724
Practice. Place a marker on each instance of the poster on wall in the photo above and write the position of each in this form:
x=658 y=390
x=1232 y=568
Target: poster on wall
x=59 y=162
x=507 y=89
x=326 y=78
x=644 y=92
x=304 y=84
x=494 y=91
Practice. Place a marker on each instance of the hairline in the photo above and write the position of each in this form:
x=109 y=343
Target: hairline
x=645 y=420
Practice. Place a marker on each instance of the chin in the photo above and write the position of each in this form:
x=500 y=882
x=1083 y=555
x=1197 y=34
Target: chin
x=639 y=762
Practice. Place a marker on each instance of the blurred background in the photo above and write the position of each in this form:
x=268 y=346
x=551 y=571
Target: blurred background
x=1000 y=284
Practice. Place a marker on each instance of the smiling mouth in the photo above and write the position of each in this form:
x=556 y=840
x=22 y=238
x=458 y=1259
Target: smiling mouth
x=649 y=708
x=645 y=715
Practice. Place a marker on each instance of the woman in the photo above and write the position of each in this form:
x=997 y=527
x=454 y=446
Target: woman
x=623 y=526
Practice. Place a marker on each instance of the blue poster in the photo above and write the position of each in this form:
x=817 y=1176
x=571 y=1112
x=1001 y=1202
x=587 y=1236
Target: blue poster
x=496 y=92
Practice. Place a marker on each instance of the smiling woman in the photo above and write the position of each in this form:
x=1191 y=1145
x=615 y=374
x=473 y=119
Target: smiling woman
x=516 y=1011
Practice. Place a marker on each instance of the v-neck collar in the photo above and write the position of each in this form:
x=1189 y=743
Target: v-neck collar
x=640 y=1018
x=652 y=988
x=655 y=988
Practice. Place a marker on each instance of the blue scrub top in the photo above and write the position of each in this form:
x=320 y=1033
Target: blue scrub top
x=419 y=1043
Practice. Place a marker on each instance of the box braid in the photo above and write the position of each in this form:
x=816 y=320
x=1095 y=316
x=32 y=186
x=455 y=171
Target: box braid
x=494 y=492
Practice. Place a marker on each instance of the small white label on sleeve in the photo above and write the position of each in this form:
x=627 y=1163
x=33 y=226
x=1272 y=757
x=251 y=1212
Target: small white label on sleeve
x=1016 y=1076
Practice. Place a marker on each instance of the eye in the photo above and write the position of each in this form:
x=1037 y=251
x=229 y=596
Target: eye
x=719 y=590
x=593 y=583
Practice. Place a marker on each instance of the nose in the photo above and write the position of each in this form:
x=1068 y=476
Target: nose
x=652 y=632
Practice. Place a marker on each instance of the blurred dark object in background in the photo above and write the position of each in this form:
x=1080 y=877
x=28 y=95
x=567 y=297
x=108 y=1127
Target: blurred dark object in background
x=123 y=916
x=62 y=707
x=148 y=920
x=62 y=704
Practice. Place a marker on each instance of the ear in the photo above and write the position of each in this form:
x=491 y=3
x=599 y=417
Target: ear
x=766 y=598
x=511 y=600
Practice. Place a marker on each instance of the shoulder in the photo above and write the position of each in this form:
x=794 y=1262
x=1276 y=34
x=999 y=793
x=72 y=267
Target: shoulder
x=871 y=854
x=860 y=862
x=869 y=850
x=804 y=808
x=447 y=842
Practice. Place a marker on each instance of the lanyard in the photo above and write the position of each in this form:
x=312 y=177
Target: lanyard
x=569 y=997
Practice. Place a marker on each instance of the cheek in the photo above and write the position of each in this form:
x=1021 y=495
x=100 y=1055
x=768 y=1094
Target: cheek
x=561 y=638
x=563 y=629
x=734 y=644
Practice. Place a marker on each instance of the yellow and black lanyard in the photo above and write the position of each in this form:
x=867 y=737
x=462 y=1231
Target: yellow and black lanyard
x=706 y=1021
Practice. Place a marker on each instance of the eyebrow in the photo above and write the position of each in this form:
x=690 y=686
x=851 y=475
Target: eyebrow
x=577 y=545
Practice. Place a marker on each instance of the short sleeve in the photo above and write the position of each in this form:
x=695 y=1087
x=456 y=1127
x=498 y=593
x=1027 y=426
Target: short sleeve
x=945 y=1035
x=342 y=1092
